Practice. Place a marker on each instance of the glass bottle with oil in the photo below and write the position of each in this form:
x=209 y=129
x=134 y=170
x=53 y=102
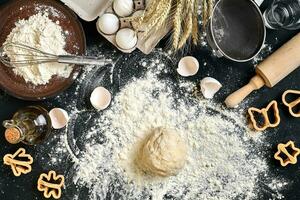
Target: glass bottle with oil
x=30 y=125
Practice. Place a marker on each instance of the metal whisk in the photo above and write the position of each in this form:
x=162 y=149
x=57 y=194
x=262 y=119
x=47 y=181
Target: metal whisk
x=21 y=55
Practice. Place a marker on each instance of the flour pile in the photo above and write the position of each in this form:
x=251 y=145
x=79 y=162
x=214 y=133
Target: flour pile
x=224 y=160
x=40 y=32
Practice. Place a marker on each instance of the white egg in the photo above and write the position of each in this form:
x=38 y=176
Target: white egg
x=188 y=66
x=108 y=23
x=123 y=8
x=59 y=118
x=209 y=87
x=100 y=98
x=126 y=38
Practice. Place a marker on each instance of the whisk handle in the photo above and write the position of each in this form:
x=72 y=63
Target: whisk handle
x=82 y=60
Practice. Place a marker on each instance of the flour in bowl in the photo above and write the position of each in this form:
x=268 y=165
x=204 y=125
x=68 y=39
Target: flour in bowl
x=40 y=32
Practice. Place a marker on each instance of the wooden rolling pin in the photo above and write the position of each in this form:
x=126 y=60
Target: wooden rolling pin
x=272 y=70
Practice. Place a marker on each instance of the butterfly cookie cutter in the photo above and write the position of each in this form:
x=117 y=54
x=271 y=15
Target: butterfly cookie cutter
x=291 y=157
x=264 y=112
x=17 y=163
x=51 y=184
x=293 y=104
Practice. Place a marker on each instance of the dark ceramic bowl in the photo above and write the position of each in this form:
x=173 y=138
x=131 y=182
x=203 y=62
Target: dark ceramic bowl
x=75 y=44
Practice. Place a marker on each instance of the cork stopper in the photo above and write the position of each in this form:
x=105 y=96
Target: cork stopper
x=12 y=135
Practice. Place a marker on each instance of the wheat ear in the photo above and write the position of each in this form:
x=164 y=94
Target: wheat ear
x=204 y=12
x=195 y=31
x=210 y=8
x=164 y=15
x=150 y=9
x=187 y=33
x=156 y=17
x=177 y=23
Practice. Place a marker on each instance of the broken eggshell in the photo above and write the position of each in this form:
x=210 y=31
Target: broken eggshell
x=59 y=118
x=188 y=66
x=209 y=87
x=100 y=98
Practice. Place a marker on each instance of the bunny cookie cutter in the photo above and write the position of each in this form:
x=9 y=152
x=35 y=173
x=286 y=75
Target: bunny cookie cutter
x=291 y=157
x=293 y=104
x=264 y=112
x=19 y=166
x=51 y=184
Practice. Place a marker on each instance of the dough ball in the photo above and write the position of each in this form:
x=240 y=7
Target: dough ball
x=163 y=153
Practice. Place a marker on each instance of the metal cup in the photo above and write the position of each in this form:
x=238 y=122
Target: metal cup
x=236 y=30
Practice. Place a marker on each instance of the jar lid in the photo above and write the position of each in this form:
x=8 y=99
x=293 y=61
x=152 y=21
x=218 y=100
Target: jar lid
x=12 y=135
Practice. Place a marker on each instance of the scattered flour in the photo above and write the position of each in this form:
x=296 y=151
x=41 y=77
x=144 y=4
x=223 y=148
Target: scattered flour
x=266 y=50
x=40 y=32
x=224 y=158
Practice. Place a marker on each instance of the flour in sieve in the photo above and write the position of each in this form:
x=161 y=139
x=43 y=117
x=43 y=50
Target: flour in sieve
x=40 y=32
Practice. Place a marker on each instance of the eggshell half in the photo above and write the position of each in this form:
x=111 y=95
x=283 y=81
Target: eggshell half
x=100 y=98
x=188 y=66
x=59 y=118
x=209 y=87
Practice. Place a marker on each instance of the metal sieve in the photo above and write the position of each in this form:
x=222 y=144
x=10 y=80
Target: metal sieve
x=236 y=29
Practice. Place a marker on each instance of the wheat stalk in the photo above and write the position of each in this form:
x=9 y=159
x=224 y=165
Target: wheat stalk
x=147 y=14
x=158 y=9
x=188 y=30
x=177 y=23
x=159 y=16
x=204 y=12
x=207 y=8
x=188 y=24
x=140 y=21
x=164 y=14
x=210 y=7
x=195 y=29
x=150 y=9
x=181 y=13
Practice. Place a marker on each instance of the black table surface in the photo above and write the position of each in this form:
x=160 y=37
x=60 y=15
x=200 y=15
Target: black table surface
x=15 y=188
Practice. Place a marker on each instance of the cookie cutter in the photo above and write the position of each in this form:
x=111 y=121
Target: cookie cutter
x=291 y=156
x=51 y=184
x=264 y=112
x=19 y=166
x=292 y=104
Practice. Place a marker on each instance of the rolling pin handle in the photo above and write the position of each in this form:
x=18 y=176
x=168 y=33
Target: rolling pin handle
x=238 y=96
